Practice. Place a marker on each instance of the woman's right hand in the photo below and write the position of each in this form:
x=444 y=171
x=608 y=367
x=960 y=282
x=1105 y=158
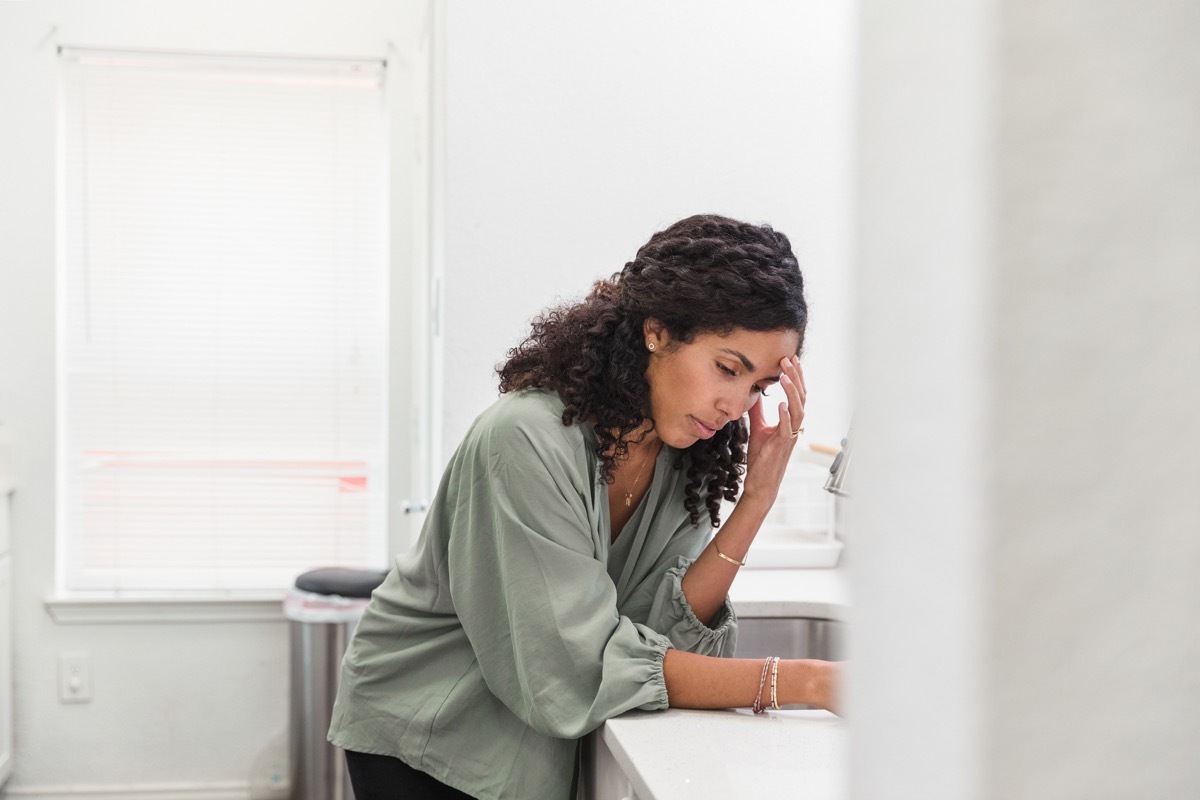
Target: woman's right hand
x=819 y=683
x=770 y=447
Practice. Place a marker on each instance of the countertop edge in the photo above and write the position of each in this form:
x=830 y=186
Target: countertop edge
x=817 y=738
x=817 y=593
x=612 y=739
x=776 y=609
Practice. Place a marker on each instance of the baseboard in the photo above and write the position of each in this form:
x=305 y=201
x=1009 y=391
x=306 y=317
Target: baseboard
x=231 y=790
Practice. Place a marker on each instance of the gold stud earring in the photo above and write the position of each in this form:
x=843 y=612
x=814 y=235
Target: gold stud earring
x=650 y=346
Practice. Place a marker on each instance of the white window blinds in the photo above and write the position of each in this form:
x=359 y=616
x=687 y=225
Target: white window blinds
x=223 y=320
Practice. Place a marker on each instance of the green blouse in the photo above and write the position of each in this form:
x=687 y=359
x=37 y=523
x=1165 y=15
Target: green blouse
x=514 y=627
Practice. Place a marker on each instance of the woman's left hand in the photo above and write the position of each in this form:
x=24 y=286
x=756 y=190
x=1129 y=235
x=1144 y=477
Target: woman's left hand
x=770 y=447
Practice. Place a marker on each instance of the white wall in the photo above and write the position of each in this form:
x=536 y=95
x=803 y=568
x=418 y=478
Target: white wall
x=1026 y=545
x=923 y=322
x=575 y=131
x=1094 y=552
x=187 y=704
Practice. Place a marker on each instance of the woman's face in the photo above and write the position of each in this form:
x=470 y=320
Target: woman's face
x=698 y=387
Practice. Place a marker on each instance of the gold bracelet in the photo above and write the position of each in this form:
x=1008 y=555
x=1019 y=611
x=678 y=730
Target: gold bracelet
x=727 y=558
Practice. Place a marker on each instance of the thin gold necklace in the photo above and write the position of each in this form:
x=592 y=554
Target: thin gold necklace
x=638 y=477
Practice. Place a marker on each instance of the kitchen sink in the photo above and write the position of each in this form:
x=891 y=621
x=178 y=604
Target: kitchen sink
x=791 y=637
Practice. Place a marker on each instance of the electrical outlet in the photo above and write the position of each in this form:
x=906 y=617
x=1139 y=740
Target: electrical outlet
x=74 y=678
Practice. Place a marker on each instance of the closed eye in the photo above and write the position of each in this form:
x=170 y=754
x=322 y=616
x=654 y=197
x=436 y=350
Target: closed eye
x=733 y=374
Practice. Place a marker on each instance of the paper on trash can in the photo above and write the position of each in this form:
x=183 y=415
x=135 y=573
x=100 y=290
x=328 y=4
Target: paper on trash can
x=304 y=606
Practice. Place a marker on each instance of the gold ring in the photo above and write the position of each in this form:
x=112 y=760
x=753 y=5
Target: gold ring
x=797 y=433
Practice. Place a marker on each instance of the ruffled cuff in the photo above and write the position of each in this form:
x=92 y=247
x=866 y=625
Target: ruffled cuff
x=658 y=678
x=672 y=615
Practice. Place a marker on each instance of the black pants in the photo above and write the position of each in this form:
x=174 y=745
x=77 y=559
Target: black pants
x=385 y=778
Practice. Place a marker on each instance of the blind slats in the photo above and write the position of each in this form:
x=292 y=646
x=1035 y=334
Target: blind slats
x=224 y=319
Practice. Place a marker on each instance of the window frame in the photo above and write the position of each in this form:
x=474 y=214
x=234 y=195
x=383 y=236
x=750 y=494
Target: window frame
x=406 y=35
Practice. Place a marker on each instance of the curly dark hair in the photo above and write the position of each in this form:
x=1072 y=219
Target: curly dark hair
x=704 y=274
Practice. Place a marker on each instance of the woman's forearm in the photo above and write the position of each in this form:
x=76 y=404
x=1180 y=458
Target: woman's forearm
x=706 y=582
x=695 y=681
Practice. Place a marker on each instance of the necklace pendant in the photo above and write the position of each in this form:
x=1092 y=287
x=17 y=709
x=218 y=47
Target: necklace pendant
x=628 y=499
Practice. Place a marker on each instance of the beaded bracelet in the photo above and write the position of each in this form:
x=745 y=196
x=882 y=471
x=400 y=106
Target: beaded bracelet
x=771 y=667
x=774 y=683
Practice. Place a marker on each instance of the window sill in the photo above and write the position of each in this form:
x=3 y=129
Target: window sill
x=69 y=610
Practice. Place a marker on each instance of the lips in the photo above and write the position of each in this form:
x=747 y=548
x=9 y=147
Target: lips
x=703 y=429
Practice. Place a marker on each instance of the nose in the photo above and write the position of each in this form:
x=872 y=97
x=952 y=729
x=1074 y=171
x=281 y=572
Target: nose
x=731 y=405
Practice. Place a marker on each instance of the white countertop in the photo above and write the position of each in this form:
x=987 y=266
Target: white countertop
x=819 y=593
x=696 y=755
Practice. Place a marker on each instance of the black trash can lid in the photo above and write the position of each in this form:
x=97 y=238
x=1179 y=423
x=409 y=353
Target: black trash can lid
x=340 y=581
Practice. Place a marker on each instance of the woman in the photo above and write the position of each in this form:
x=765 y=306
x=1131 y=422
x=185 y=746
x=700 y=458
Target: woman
x=565 y=574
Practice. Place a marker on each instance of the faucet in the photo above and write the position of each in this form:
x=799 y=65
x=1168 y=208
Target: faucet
x=836 y=483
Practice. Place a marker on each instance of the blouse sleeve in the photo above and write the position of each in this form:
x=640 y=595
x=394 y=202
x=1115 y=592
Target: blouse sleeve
x=671 y=615
x=536 y=604
x=667 y=609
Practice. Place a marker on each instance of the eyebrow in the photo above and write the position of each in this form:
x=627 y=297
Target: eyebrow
x=747 y=363
x=740 y=357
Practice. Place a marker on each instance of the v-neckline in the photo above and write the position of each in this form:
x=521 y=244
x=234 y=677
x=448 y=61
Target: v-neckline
x=638 y=512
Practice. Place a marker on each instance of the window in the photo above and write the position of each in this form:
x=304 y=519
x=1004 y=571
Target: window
x=223 y=325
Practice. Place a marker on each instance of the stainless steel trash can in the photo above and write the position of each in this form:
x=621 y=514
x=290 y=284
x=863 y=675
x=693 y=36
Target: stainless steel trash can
x=322 y=611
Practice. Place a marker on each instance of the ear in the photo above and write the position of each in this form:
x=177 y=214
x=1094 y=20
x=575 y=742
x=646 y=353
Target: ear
x=655 y=332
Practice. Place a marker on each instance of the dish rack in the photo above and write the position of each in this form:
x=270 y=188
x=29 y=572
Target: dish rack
x=802 y=528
